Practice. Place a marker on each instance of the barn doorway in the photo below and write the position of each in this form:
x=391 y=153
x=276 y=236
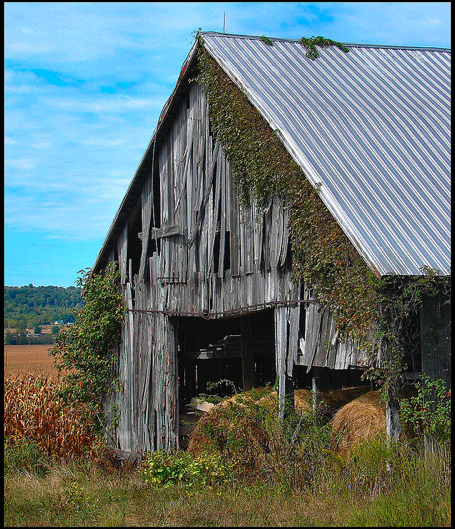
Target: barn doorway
x=213 y=350
x=239 y=349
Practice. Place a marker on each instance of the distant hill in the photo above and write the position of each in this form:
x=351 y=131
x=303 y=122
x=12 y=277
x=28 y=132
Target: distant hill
x=30 y=306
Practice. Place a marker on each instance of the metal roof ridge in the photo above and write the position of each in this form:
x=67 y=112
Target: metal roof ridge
x=350 y=44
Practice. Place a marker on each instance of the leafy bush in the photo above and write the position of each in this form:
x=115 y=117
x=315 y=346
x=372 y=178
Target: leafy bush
x=85 y=348
x=430 y=412
x=164 y=469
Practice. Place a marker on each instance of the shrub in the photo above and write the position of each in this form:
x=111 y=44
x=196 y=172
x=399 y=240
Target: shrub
x=430 y=411
x=164 y=469
x=85 y=349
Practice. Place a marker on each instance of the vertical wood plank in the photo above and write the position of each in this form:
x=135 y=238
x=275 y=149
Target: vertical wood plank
x=280 y=356
x=122 y=246
x=294 y=318
x=146 y=212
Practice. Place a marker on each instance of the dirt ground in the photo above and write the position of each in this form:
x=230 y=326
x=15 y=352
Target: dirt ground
x=27 y=358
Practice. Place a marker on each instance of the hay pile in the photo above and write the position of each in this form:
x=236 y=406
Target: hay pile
x=337 y=398
x=358 y=415
x=303 y=399
x=358 y=421
x=238 y=419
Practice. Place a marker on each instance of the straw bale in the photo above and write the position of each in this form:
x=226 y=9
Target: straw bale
x=358 y=421
x=201 y=404
x=269 y=400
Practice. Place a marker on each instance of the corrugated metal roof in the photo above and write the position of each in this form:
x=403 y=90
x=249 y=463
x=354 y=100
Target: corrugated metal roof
x=371 y=127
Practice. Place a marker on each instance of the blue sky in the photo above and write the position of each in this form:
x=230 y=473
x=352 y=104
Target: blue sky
x=85 y=84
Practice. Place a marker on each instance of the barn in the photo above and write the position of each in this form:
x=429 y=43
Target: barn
x=209 y=243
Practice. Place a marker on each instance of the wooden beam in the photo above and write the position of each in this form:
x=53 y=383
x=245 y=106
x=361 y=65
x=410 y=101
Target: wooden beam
x=247 y=353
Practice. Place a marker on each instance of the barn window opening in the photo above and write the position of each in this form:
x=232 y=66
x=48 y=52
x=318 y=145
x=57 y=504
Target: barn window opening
x=288 y=259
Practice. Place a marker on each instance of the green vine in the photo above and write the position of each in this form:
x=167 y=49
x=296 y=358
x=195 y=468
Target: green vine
x=266 y=40
x=322 y=255
x=311 y=43
x=366 y=308
x=85 y=348
x=400 y=299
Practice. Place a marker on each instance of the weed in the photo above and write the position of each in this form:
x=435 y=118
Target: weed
x=25 y=457
x=164 y=469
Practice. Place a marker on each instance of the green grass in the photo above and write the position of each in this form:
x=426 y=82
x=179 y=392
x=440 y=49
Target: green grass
x=416 y=492
x=248 y=469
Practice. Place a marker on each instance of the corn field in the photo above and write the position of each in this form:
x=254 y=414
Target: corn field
x=34 y=413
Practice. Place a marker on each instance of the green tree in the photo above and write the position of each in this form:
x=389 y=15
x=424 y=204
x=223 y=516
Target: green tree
x=10 y=338
x=55 y=329
x=86 y=347
x=37 y=330
x=21 y=326
x=39 y=305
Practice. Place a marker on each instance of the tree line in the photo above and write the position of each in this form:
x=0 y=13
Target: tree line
x=28 y=307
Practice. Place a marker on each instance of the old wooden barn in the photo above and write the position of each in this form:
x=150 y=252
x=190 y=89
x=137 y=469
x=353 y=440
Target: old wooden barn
x=208 y=280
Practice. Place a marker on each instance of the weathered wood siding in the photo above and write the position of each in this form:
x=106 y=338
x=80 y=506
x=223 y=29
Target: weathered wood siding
x=196 y=251
x=436 y=337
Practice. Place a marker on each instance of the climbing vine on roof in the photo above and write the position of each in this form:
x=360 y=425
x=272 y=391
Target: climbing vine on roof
x=266 y=40
x=311 y=43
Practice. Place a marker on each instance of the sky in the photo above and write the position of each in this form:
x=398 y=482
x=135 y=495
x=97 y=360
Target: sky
x=84 y=86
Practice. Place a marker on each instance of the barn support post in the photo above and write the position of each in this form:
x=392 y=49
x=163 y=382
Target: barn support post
x=387 y=362
x=284 y=347
x=392 y=414
x=247 y=353
x=171 y=374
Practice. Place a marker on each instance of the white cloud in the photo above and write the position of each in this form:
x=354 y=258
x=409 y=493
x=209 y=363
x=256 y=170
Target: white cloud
x=41 y=145
x=115 y=105
x=24 y=163
x=101 y=142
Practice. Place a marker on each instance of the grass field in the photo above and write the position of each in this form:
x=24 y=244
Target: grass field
x=28 y=358
x=54 y=476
